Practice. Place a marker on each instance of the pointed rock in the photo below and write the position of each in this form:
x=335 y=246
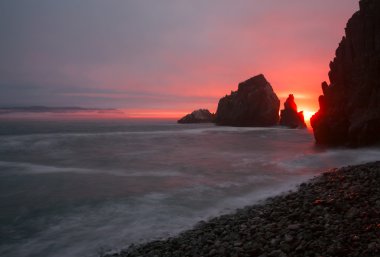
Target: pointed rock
x=290 y=117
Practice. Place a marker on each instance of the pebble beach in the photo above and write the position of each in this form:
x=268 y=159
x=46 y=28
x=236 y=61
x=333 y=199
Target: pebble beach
x=334 y=214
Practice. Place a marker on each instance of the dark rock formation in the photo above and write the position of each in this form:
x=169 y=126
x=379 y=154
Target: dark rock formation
x=290 y=117
x=198 y=116
x=349 y=111
x=254 y=104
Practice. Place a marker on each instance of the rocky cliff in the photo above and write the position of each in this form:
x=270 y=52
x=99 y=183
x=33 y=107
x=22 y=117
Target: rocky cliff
x=198 y=116
x=253 y=104
x=349 y=111
x=290 y=117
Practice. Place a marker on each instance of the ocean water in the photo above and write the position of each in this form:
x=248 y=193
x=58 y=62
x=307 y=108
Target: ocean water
x=79 y=188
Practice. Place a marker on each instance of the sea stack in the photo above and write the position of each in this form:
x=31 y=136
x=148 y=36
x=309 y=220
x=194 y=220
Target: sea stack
x=349 y=111
x=254 y=104
x=198 y=116
x=290 y=117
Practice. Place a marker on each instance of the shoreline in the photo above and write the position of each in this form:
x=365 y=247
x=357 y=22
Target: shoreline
x=334 y=214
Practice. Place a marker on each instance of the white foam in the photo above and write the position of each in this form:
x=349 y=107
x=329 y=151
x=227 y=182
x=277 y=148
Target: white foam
x=29 y=168
x=41 y=169
x=330 y=158
x=42 y=136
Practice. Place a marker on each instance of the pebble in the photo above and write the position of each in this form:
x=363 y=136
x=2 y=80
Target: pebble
x=294 y=226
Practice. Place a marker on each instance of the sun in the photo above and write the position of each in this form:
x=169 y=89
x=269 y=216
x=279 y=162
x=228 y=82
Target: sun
x=308 y=114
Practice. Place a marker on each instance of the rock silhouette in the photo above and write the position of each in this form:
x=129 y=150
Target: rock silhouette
x=198 y=116
x=349 y=111
x=253 y=104
x=290 y=117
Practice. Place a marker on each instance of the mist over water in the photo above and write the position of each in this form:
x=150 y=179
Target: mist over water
x=75 y=188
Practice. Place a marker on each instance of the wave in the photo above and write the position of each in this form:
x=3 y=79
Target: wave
x=331 y=158
x=154 y=132
x=87 y=230
x=30 y=168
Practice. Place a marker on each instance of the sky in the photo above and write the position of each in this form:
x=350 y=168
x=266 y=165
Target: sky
x=164 y=57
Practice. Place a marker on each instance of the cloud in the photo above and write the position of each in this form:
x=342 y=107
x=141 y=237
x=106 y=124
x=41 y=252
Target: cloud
x=134 y=54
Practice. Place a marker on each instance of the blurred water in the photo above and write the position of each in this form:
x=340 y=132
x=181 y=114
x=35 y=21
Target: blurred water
x=73 y=188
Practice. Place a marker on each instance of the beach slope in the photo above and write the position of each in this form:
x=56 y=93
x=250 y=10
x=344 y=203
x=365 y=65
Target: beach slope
x=334 y=214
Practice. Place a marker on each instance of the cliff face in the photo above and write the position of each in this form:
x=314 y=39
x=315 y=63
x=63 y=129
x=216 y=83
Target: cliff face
x=290 y=117
x=198 y=116
x=253 y=104
x=350 y=105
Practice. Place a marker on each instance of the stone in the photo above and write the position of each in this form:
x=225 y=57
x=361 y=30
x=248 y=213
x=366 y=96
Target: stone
x=294 y=226
x=277 y=253
x=254 y=104
x=290 y=117
x=288 y=238
x=351 y=213
x=198 y=116
x=349 y=109
x=212 y=252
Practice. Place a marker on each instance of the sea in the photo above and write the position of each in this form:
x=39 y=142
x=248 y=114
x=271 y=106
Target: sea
x=87 y=187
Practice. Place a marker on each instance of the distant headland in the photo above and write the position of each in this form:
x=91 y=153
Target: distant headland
x=44 y=109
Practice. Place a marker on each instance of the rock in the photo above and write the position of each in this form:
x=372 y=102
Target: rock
x=290 y=117
x=212 y=252
x=351 y=213
x=277 y=253
x=198 y=116
x=288 y=238
x=372 y=245
x=253 y=104
x=294 y=226
x=349 y=111
x=275 y=241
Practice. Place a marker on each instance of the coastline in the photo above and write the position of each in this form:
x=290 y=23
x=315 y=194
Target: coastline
x=334 y=214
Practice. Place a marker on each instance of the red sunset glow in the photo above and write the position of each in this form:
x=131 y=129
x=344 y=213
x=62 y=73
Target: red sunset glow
x=166 y=59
